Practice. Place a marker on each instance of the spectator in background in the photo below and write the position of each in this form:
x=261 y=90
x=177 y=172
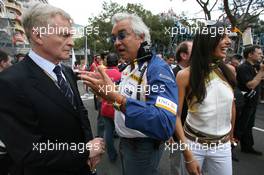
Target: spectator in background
x=121 y=64
x=5 y=61
x=183 y=53
x=235 y=60
x=171 y=61
x=103 y=56
x=83 y=65
x=249 y=82
x=107 y=109
x=96 y=62
x=232 y=64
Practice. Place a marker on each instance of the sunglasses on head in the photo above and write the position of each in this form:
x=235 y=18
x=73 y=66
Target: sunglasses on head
x=120 y=36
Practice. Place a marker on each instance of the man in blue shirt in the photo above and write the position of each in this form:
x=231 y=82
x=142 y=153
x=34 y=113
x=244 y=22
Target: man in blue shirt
x=145 y=101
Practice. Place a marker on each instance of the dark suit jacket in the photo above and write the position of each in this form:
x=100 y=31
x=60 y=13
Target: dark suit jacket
x=33 y=111
x=176 y=70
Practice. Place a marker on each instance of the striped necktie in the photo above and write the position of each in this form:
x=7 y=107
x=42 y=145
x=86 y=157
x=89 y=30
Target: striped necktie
x=64 y=86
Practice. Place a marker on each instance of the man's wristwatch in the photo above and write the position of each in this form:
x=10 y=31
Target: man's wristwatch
x=118 y=105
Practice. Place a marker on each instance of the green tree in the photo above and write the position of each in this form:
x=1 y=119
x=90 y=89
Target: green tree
x=101 y=41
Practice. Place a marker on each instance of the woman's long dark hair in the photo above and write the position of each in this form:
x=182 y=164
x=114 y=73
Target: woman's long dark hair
x=200 y=67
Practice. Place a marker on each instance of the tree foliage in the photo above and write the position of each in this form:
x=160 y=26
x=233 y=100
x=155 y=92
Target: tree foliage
x=243 y=14
x=100 y=42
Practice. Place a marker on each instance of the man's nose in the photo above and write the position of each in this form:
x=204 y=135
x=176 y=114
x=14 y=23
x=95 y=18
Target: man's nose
x=71 y=42
x=117 y=42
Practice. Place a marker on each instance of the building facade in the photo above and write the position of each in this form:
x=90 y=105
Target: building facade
x=12 y=35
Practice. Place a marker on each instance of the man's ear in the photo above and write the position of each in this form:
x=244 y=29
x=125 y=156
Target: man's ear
x=250 y=54
x=36 y=37
x=183 y=55
x=1 y=63
x=142 y=36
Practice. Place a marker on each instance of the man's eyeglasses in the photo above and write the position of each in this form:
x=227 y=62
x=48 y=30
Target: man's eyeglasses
x=120 y=36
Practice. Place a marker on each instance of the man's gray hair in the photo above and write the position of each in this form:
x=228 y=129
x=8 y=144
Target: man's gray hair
x=137 y=24
x=40 y=15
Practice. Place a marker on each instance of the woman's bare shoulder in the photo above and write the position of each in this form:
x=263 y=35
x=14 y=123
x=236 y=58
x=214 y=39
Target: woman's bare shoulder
x=183 y=76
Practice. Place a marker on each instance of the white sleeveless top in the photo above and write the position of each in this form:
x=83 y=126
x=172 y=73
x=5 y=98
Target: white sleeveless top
x=213 y=115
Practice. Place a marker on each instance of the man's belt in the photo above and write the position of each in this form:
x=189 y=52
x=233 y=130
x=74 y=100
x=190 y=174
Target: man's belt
x=203 y=138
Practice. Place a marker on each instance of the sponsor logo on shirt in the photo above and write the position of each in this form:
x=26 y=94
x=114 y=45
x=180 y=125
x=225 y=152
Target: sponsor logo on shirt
x=166 y=104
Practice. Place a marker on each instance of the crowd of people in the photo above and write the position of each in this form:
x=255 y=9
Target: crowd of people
x=206 y=102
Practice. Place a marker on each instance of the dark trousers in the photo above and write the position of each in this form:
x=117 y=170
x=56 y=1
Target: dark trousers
x=140 y=156
x=237 y=131
x=245 y=124
x=100 y=120
x=4 y=164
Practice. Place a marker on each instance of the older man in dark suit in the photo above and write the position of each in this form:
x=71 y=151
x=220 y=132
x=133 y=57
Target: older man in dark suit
x=43 y=122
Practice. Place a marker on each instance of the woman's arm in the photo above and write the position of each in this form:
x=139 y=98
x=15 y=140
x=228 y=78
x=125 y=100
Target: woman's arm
x=182 y=80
